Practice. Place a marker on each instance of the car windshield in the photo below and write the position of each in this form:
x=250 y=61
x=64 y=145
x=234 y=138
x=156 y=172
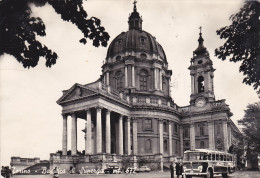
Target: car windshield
x=195 y=156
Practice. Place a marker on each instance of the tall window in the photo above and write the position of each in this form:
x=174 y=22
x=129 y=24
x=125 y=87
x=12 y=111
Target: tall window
x=119 y=80
x=218 y=129
x=186 y=133
x=202 y=144
x=175 y=127
x=165 y=145
x=148 y=146
x=164 y=127
x=176 y=146
x=200 y=84
x=143 y=80
x=148 y=124
x=202 y=131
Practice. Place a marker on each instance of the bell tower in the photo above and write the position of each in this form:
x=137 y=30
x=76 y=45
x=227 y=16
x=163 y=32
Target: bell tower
x=202 y=74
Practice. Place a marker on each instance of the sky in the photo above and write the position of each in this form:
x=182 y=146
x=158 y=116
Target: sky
x=31 y=121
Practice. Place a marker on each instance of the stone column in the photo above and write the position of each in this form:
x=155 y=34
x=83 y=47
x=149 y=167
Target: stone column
x=133 y=76
x=107 y=74
x=64 y=135
x=192 y=136
x=98 y=131
x=120 y=128
x=225 y=135
x=160 y=136
x=181 y=140
x=160 y=79
x=88 y=149
x=108 y=133
x=155 y=78
x=211 y=135
x=127 y=137
x=170 y=138
x=126 y=79
x=135 y=136
x=192 y=84
x=229 y=135
x=73 y=134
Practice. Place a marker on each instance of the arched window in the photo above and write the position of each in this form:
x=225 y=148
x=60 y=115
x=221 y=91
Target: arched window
x=119 y=80
x=200 y=84
x=202 y=144
x=165 y=145
x=143 y=80
x=143 y=56
x=142 y=41
x=148 y=145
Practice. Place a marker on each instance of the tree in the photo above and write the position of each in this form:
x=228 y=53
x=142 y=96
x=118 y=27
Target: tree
x=251 y=129
x=18 y=30
x=242 y=42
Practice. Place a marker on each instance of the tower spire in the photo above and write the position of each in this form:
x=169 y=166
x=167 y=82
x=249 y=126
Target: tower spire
x=134 y=20
x=201 y=49
x=135 y=9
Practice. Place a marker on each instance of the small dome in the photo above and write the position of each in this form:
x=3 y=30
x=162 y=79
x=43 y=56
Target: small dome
x=136 y=41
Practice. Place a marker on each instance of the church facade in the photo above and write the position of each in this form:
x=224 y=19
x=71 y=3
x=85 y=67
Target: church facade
x=131 y=119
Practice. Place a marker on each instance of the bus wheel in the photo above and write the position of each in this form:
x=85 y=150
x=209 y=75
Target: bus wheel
x=209 y=174
x=224 y=175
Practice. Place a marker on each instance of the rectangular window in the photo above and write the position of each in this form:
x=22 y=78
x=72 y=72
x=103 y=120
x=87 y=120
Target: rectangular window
x=186 y=133
x=175 y=128
x=148 y=124
x=143 y=83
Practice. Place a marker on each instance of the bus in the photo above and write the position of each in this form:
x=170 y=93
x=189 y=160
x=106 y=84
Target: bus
x=203 y=162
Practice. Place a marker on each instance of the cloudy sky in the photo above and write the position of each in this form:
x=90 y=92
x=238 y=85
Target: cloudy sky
x=31 y=122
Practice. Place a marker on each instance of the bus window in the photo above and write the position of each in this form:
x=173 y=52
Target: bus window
x=217 y=157
x=213 y=157
x=228 y=158
x=205 y=156
x=209 y=157
x=221 y=158
x=225 y=158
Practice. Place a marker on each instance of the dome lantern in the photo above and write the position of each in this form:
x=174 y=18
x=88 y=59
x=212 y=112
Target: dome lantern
x=134 y=20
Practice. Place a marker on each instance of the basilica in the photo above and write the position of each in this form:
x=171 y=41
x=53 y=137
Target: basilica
x=131 y=118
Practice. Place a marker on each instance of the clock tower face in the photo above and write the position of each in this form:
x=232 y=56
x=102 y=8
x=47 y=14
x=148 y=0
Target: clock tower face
x=200 y=102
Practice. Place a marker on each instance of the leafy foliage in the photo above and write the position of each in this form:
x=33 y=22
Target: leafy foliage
x=242 y=42
x=251 y=123
x=18 y=30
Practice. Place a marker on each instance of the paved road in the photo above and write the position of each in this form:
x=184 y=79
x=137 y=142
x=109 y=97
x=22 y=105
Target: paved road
x=238 y=174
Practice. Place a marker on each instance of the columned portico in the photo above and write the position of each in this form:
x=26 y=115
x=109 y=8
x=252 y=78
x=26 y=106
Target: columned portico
x=108 y=133
x=192 y=136
x=160 y=136
x=225 y=135
x=88 y=146
x=181 y=140
x=127 y=137
x=134 y=136
x=120 y=135
x=98 y=131
x=211 y=135
x=170 y=138
x=64 y=135
x=73 y=134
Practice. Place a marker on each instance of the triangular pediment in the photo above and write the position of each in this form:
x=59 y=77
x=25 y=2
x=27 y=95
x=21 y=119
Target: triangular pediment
x=77 y=91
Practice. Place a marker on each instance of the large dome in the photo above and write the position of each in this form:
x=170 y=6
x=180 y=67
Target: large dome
x=137 y=41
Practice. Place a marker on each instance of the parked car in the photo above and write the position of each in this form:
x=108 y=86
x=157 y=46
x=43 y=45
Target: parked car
x=143 y=169
x=113 y=170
